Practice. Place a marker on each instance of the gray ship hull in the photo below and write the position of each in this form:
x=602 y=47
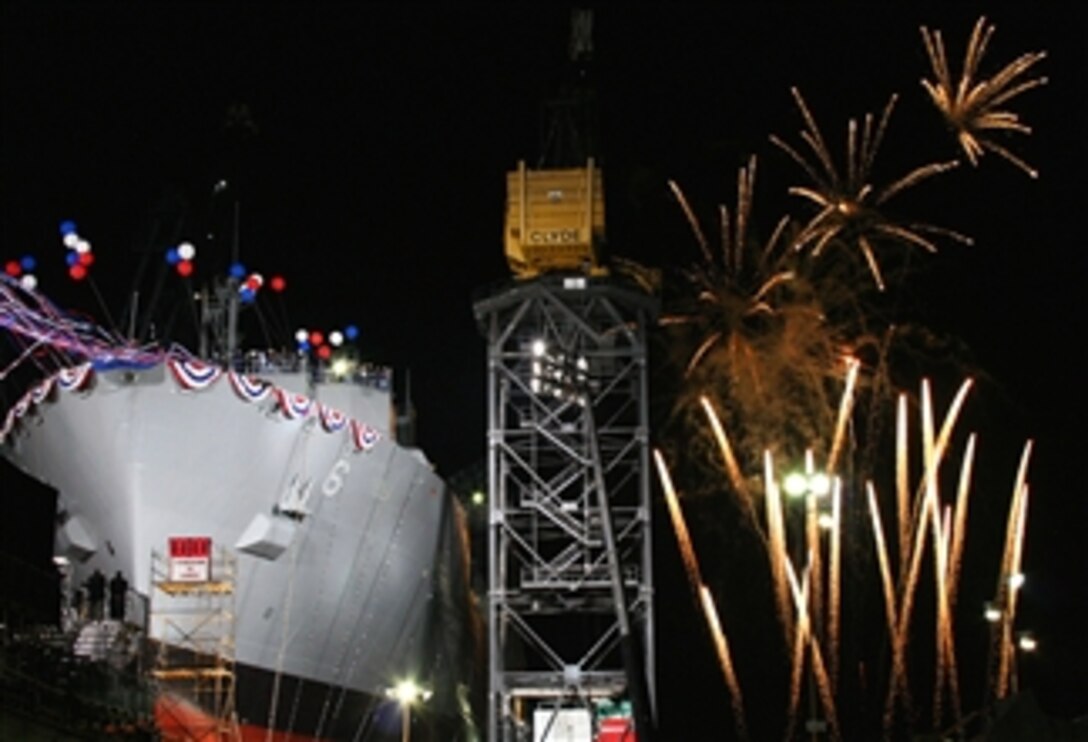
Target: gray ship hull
x=345 y=539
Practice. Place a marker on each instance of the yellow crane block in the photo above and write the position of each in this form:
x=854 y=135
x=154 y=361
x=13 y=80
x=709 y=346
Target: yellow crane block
x=554 y=220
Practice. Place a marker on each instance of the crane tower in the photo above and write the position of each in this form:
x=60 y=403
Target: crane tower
x=570 y=578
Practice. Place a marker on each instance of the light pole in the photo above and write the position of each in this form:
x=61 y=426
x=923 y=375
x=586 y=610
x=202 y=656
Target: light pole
x=407 y=694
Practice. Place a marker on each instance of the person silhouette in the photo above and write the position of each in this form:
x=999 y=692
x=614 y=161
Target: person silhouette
x=96 y=594
x=118 y=589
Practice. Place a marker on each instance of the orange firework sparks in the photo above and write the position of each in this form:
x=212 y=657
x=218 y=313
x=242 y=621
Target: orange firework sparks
x=732 y=467
x=902 y=483
x=972 y=107
x=776 y=542
x=959 y=527
x=845 y=405
x=679 y=525
x=834 y=617
x=882 y=559
x=848 y=206
x=1008 y=584
x=706 y=601
x=725 y=660
x=800 y=639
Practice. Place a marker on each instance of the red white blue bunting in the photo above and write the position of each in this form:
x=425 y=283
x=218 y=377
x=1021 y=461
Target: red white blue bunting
x=249 y=388
x=76 y=378
x=364 y=436
x=294 y=406
x=41 y=392
x=9 y=423
x=332 y=420
x=194 y=374
x=17 y=411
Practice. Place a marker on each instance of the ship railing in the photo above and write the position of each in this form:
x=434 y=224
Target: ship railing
x=265 y=363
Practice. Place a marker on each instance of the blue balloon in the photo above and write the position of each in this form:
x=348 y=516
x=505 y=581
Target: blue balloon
x=172 y=256
x=28 y=263
x=67 y=227
x=304 y=345
x=247 y=294
x=351 y=332
x=71 y=258
x=237 y=270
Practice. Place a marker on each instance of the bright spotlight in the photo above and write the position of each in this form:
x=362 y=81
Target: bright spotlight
x=407 y=692
x=1026 y=641
x=820 y=484
x=795 y=484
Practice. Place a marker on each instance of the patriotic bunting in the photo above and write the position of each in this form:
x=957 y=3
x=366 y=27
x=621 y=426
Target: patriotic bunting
x=194 y=374
x=9 y=422
x=76 y=378
x=332 y=420
x=363 y=435
x=249 y=388
x=294 y=406
x=41 y=392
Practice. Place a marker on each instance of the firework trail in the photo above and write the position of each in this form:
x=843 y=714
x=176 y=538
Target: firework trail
x=1008 y=582
x=945 y=663
x=814 y=547
x=725 y=660
x=834 y=613
x=695 y=228
x=927 y=517
x=882 y=560
x=804 y=637
x=959 y=528
x=970 y=107
x=687 y=551
x=846 y=404
x=732 y=467
x=902 y=485
x=706 y=601
x=800 y=640
x=776 y=543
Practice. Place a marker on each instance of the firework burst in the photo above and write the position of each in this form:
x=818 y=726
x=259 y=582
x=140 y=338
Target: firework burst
x=808 y=585
x=758 y=334
x=849 y=207
x=971 y=106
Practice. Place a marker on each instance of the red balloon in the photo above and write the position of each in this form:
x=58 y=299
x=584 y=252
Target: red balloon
x=324 y=352
x=86 y=259
x=277 y=283
x=77 y=272
x=185 y=268
x=12 y=268
x=316 y=338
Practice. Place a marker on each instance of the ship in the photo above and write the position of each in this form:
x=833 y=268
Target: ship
x=269 y=493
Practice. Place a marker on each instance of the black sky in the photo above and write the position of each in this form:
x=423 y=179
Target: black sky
x=375 y=180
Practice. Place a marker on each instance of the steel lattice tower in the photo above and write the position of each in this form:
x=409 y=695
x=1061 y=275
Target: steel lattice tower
x=570 y=619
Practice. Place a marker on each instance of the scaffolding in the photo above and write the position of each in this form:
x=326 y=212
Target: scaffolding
x=570 y=593
x=192 y=625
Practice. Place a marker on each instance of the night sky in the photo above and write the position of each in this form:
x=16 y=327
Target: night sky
x=373 y=180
